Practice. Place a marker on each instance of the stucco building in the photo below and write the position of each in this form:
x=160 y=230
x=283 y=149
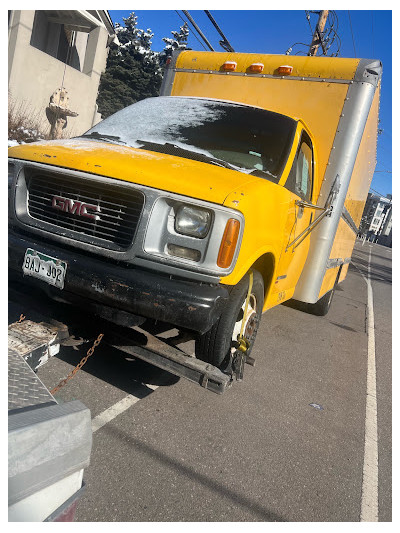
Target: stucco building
x=49 y=50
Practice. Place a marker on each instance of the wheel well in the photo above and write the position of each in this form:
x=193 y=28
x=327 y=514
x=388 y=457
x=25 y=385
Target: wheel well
x=265 y=266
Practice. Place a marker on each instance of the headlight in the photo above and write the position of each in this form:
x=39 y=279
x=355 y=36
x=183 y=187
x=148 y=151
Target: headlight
x=201 y=237
x=192 y=221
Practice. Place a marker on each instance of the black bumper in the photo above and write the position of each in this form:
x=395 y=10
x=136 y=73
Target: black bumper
x=184 y=304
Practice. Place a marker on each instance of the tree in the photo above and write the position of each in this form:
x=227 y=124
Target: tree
x=179 y=42
x=133 y=71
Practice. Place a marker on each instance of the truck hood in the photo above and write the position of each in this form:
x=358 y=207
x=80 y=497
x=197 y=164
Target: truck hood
x=160 y=171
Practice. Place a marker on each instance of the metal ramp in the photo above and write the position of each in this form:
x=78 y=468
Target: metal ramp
x=159 y=353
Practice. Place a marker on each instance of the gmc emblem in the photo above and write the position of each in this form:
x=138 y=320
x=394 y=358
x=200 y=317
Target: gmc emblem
x=75 y=207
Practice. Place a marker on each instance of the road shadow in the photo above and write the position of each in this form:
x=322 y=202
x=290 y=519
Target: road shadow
x=365 y=252
x=107 y=363
x=118 y=369
x=376 y=272
x=259 y=511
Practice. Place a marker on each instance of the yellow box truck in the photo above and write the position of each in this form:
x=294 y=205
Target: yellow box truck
x=240 y=187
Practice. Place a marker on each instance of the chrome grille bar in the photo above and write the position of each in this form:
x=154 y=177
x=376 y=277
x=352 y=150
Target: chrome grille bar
x=117 y=215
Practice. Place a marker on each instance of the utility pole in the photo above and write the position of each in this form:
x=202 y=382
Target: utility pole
x=317 y=37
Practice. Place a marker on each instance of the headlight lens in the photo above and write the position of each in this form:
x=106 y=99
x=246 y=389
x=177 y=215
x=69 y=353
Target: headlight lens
x=192 y=221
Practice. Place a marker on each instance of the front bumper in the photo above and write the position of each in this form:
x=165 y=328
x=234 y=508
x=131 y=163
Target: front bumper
x=184 y=304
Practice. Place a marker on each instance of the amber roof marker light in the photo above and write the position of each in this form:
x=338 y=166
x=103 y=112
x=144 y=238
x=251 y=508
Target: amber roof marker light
x=257 y=68
x=228 y=243
x=285 y=70
x=229 y=66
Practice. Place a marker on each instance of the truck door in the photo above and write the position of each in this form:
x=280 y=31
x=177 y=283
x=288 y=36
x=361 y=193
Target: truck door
x=299 y=185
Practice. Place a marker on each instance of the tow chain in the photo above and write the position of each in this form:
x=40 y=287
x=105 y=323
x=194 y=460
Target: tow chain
x=79 y=365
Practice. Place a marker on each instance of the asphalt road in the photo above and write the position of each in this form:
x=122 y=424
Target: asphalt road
x=286 y=444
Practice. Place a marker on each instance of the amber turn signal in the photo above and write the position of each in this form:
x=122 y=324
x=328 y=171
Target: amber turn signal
x=228 y=243
x=229 y=66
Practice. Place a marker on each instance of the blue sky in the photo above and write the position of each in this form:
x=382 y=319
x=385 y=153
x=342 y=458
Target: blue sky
x=366 y=34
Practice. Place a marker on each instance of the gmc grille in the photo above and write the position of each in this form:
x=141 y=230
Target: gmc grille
x=119 y=208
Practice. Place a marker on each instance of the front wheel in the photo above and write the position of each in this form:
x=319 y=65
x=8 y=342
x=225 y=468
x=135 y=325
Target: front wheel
x=216 y=344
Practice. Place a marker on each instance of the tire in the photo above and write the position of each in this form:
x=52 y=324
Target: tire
x=215 y=345
x=323 y=305
x=320 y=308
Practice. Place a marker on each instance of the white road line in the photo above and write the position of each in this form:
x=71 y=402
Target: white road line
x=112 y=412
x=369 y=494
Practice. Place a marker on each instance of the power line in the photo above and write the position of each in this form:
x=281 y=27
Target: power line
x=331 y=35
x=192 y=22
x=323 y=37
x=289 y=50
x=194 y=35
x=226 y=45
x=352 y=36
x=309 y=23
x=380 y=194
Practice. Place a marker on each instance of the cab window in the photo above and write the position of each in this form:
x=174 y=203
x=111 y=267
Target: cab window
x=300 y=177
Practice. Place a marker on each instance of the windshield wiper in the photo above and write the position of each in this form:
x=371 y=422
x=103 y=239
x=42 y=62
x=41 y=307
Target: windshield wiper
x=103 y=137
x=172 y=149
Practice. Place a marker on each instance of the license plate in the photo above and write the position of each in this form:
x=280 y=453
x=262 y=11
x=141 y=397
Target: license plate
x=41 y=266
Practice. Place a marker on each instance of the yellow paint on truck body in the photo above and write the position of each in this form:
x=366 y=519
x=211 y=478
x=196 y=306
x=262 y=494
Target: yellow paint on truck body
x=164 y=172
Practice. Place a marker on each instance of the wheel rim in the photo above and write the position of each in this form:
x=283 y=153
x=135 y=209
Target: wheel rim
x=250 y=321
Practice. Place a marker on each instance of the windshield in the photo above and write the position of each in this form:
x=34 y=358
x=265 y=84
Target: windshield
x=241 y=137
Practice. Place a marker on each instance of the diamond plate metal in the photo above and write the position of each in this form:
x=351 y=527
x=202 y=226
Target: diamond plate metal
x=24 y=387
x=36 y=342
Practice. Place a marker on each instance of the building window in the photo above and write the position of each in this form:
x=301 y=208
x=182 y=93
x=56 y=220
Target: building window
x=56 y=40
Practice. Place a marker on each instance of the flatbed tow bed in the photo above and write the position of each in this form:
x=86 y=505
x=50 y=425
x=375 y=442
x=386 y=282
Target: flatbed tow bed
x=49 y=444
